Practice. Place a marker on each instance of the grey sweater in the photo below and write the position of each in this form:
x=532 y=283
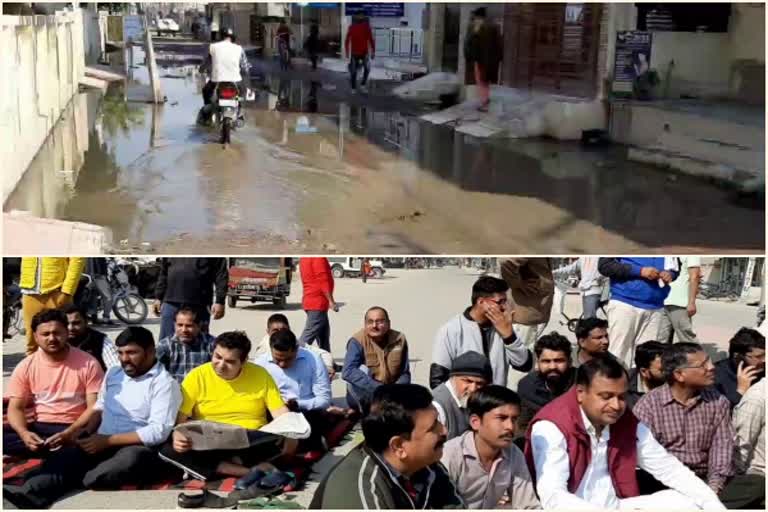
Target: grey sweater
x=460 y=335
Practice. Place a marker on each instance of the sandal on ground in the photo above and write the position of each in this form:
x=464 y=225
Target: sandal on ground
x=206 y=499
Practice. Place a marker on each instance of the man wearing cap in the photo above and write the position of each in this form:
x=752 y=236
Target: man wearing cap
x=470 y=372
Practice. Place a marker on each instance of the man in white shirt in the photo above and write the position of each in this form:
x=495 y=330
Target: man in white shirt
x=591 y=283
x=225 y=61
x=583 y=449
x=680 y=304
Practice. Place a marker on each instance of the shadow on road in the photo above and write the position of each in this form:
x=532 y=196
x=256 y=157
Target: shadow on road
x=266 y=306
x=10 y=361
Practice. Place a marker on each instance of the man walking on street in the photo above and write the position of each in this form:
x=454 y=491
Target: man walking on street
x=483 y=52
x=590 y=283
x=190 y=282
x=317 y=283
x=639 y=287
x=98 y=269
x=46 y=283
x=356 y=46
x=680 y=305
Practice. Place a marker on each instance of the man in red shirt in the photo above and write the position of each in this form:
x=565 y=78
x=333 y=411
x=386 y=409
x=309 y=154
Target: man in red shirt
x=356 y=45
x=317 y=282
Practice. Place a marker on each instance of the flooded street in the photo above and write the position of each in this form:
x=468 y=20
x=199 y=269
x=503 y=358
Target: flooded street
x=313 y=170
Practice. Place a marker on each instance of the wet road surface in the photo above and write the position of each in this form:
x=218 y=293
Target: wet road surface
x=366 y=177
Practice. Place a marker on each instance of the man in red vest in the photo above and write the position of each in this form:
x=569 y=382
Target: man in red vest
x=584 y=447
x=317 y=282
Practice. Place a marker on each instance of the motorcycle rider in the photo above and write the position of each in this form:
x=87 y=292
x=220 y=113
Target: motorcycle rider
x=226 y=61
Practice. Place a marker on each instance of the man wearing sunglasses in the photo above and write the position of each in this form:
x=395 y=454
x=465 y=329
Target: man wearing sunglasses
x=688 y=418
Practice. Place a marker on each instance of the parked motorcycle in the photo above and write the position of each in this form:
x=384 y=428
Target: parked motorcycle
x=13 y=320
x=127 y=305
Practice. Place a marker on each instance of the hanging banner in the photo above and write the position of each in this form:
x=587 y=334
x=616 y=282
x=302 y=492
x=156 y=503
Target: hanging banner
x=633 y=58
x=376 y=10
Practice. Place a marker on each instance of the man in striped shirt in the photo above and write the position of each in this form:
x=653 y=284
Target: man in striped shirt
x=687 y=418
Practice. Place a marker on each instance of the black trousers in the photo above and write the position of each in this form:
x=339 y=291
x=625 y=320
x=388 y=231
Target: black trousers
x=13 y=445
x=744 y=492
x=71 y=468
x=202 y=464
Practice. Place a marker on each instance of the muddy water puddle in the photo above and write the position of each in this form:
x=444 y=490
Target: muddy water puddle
x=311 y=171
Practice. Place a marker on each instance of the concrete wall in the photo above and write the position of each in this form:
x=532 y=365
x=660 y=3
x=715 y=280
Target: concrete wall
x=721 y=65
x=746 y=33
x=701 y=62
x=434 y=36
x=45 y=55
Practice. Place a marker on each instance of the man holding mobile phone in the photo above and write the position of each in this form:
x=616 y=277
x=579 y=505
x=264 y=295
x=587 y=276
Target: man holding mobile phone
x=744 y=367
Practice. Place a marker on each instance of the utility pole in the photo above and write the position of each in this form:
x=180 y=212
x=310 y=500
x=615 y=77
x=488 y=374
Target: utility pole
x=154 y=77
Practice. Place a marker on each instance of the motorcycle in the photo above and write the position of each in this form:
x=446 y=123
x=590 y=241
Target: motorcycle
x=13 y=320
x=225 y=111
x=127 y=304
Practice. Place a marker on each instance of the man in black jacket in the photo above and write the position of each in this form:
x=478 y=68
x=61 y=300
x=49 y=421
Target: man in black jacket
x=398 y=465
x=744 y=366
x=190 y=282
x=89 y=340
x=554 y=376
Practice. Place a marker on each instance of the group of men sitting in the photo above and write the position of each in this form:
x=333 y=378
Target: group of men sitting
x=581 y=431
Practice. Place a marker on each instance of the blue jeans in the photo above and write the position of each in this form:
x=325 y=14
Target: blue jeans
x=168 y=318
x=355 y=63
x=589 y=304
x=317 y=328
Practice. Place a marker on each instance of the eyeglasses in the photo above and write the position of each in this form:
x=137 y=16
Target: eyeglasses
x=703 y=366
x=500 y=302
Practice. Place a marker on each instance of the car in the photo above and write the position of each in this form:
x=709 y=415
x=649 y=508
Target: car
x=351 y=267
x=167 y=25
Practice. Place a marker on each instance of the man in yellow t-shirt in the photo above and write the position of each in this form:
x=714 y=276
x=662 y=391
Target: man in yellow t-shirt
x=229 y=390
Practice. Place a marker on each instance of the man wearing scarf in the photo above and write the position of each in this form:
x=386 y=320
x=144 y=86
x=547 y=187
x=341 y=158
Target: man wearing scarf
x=375 y=355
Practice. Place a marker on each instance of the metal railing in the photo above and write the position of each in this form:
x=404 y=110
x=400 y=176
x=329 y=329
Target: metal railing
x=401 y=42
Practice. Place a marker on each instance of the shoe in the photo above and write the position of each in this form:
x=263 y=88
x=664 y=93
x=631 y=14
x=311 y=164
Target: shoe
x=17 y=499
x=363 y=89
x=354 y=91
x=255 y=476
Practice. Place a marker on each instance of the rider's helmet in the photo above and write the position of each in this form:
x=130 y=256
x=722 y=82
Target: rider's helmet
x=228 y=32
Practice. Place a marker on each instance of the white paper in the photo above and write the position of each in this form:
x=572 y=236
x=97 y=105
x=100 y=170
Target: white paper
x=292 y=425
x=210 y=435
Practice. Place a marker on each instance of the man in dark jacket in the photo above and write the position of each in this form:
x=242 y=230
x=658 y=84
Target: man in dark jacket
x=190 y=282
x=483 y=52
x=471 y=371
x=648 y=372
x=639 y=287
x=397 y=467
x=745 y=365
x=553 y=377
x=89 y=340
